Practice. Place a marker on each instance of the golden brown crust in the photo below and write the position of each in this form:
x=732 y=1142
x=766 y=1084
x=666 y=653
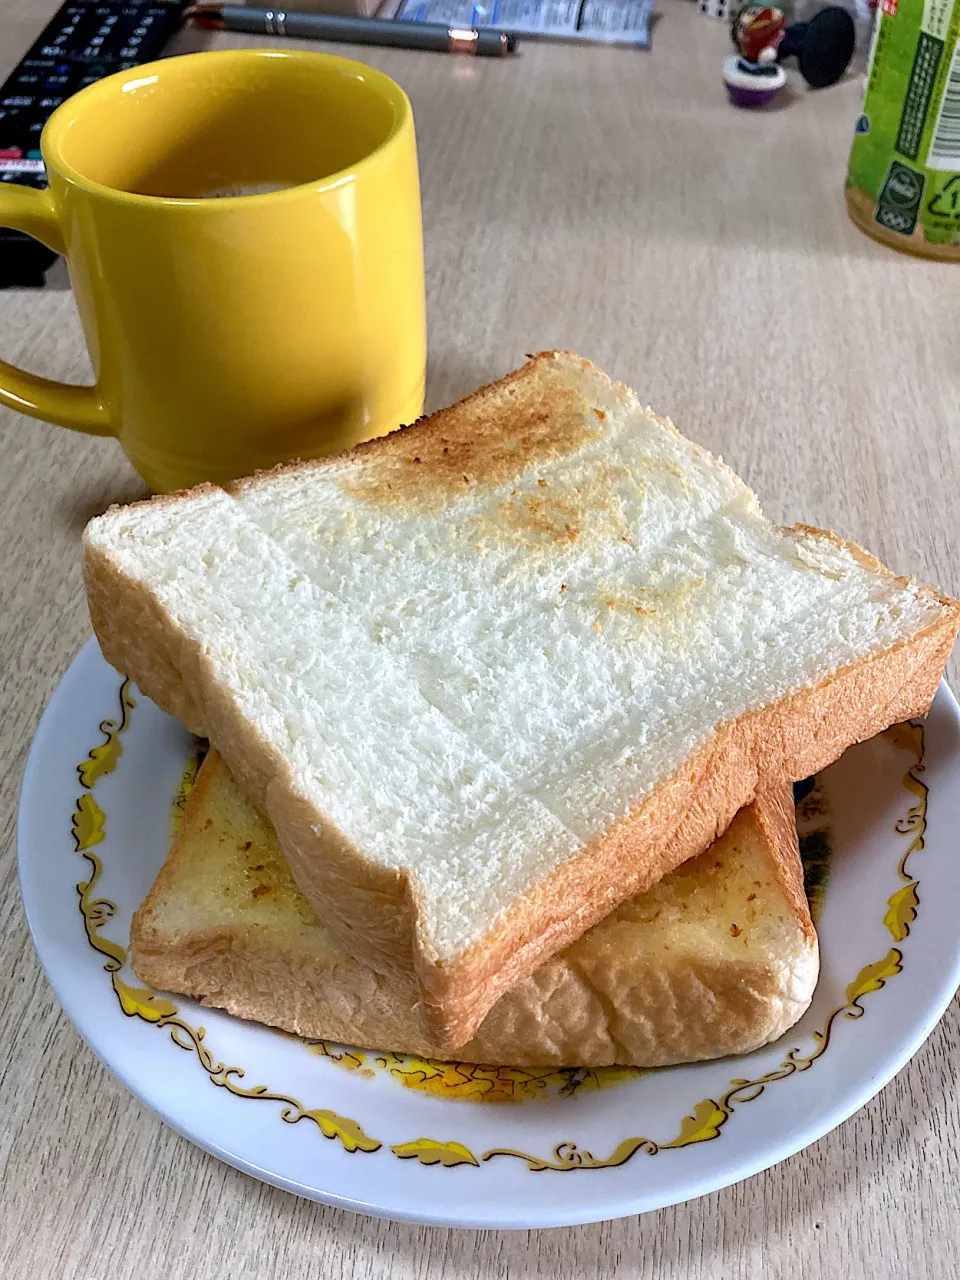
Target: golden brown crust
x=616 y=996
x=374 y=911
x=483 y=439
x=426 y=436
x=776 y=820
x=687 y=1013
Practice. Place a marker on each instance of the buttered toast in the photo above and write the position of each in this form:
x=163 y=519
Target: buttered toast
x=494 y=674
x=718 y=958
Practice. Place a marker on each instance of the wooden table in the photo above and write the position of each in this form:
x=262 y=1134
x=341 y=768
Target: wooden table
x=609 y=201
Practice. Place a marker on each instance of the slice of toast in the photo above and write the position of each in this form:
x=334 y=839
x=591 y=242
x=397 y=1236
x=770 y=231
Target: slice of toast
x=496 y=673
x=718 y=958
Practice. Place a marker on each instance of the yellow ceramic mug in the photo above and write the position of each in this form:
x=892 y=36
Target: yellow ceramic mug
x=229 y=332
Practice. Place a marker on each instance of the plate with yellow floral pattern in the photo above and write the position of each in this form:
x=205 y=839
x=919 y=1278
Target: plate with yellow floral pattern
x=424 y=1141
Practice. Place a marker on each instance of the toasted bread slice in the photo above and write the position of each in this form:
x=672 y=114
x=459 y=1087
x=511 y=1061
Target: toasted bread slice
x=718 y=958
x=494 y=674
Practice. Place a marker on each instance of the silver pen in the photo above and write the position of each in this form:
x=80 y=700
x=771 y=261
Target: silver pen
x=481 y=43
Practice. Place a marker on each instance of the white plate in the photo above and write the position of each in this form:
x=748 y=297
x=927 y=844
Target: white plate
x=94 y=827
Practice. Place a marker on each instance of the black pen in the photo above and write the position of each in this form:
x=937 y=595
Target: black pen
x=349 y=30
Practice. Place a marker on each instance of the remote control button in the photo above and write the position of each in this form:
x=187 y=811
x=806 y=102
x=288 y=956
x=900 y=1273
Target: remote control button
x=82 y=43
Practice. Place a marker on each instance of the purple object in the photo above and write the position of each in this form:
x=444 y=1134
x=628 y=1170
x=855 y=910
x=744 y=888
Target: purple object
x=751 y=97
x=749 y=87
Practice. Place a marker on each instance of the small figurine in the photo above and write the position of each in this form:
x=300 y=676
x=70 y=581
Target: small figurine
x=757 y=32
x=755 y=77
x=823 y=48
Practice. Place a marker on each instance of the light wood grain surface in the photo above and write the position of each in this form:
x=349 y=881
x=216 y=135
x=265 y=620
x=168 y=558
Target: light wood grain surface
x=612 y=202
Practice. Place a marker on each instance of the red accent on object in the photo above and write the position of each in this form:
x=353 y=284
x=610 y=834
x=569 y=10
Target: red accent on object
x=10 y=153
x=890 y=8
x=208 y=17
x=757 y=28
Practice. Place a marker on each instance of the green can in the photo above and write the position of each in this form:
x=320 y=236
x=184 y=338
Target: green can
x=903 y=181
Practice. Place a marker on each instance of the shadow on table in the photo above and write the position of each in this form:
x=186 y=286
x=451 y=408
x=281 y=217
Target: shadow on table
x=79 y=491
x=451 y=376
x=84 y=485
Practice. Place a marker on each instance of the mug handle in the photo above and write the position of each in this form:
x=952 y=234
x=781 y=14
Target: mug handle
x=79 y=408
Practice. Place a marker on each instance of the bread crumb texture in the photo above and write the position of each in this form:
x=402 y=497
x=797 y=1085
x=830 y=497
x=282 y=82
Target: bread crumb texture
x=611 y=997
x=479 y=643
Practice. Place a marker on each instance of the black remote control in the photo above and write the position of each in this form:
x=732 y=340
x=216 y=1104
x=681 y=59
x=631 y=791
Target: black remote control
x=83 y=42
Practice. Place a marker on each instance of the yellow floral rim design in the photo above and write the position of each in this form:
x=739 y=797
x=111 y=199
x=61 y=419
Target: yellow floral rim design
x=475 y=1082
x=707 y=1117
